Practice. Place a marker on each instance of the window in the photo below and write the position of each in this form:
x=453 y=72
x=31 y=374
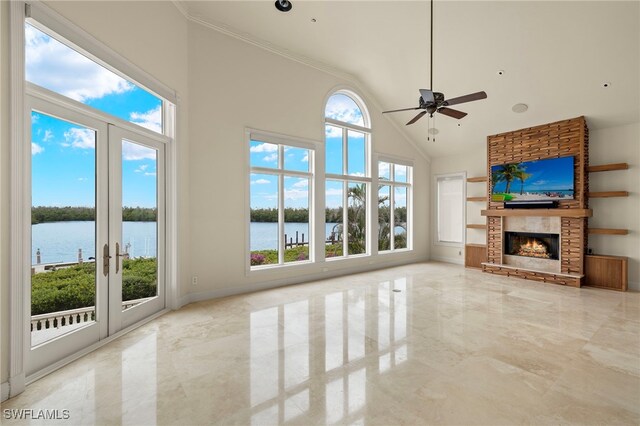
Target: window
x=49 y=63
x=394 y=193
x=450 y=205
x=347 y=176
x=281 y=177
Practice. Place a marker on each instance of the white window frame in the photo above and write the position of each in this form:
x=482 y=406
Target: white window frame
x=392 y=183
x=282 y=141
x=463 y=203
x=345 y=179
x=20 y=255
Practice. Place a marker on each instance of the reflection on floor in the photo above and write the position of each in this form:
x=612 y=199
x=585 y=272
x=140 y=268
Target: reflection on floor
x=421 y=344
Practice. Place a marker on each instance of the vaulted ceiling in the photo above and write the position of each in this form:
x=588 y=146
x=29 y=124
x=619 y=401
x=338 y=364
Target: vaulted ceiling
x=555 y=57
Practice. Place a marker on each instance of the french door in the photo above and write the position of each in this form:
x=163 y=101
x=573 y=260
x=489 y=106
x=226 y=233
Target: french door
x=98 y=229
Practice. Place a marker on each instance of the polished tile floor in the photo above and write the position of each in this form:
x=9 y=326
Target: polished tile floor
x=422 y=344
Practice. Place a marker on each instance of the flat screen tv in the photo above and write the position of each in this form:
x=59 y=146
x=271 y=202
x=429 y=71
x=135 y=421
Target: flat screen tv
x=549 y=179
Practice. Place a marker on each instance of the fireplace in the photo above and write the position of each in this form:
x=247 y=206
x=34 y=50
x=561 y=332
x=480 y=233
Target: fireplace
x=536 y=245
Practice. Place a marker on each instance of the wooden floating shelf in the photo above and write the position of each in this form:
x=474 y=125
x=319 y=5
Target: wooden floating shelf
x=476 y=198
x=476 y=226
x=606 y=231
x=538 y=212
x=477 y=179
x=608 y=194
x=607 y=167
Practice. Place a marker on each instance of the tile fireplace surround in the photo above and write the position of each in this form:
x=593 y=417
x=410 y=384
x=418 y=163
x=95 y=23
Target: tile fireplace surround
x=534 y=225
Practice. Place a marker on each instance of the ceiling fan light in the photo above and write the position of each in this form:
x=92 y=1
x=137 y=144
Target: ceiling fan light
x=283 y=5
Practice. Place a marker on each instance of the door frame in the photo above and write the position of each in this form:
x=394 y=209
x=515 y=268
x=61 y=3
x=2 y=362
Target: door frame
x=20 y=157
x=119 y=319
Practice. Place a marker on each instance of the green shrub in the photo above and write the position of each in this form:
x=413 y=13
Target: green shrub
x=74 y=287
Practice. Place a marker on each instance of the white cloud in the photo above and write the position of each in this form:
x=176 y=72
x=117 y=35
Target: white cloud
x=81 y=179
x=301 y=184
x=36 y=149
x=271 y=158
x=80 y=138
x=295 y=194
x=383 y=169
x=50 y=64
x=264 y=147
x=48 y=135
x=150 y=173
x=151 y=119
x=343 y=108
x=132 y=152
x=359 y=174
x=305 y=159
x=260 y=182
x=333 y=132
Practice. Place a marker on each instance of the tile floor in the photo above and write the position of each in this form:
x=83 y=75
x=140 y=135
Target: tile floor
x=422 y=344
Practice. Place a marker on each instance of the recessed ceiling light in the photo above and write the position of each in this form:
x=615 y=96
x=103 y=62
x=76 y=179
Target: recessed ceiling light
x=500 y=72
x=314 y=20
x=606 y=84
x=433 y=131
x=519 y=108
x=283 y=5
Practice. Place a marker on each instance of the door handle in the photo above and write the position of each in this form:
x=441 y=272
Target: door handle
x=105 y=260
x=118 y=256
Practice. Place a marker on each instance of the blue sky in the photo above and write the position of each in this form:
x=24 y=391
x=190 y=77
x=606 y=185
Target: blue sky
x=264 y=186
x=546 y=175
x=63 y=153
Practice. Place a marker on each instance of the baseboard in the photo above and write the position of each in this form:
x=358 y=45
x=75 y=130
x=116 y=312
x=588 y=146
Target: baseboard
x=269 y=284
x=4 y=391
x=454 y=260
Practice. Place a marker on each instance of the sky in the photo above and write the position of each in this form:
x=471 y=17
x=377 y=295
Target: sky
x=63 y=153
x=546 y=175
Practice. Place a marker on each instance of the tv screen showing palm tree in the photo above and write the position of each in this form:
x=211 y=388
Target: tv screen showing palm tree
x=549 y=179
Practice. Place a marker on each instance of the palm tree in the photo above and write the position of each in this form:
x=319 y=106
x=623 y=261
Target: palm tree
x=496 y=178
x=521 y=175
x=508 y=173
x=356 y=218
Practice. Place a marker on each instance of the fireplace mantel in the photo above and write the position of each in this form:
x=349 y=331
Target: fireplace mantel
x=538 y=212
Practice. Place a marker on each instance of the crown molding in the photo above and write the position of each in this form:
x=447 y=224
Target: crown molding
x=301 y=59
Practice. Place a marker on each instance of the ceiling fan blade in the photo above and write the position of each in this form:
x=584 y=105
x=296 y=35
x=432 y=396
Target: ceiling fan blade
x=417 y=117
x=466 y=98
x=398 y=110
x=427 y=95
x=452 y=113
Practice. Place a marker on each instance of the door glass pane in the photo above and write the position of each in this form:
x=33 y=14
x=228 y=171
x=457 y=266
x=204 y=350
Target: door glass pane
x=384 y=170
x=334 y=219
x=139 y=224
x=384 y=218
x=400 y=173
x=263 y=233
x=333 y=141
x=63 y=227
x=400 y=217
x=357 y=218
x=61 y=69
x=296 y=219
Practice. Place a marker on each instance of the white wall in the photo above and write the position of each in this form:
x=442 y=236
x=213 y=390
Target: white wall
x=4 y=191
x=234 y=85
x=611 y=145
x=472 y=162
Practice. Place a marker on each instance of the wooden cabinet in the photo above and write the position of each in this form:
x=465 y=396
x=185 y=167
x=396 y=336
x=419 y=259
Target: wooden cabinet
x=608 y=272
x=474 y=255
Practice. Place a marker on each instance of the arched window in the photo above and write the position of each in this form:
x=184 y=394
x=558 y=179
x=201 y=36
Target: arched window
x=348 y=175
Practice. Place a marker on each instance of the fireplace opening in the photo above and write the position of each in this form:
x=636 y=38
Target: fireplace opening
x=540 y=246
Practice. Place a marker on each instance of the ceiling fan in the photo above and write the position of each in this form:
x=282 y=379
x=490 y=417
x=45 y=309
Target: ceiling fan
x=432 y=102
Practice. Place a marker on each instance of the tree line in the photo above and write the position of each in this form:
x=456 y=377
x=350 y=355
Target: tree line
x=332 y=215
x=42 y=214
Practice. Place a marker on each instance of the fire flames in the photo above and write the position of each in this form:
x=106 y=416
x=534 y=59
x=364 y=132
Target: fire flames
x=533 y=248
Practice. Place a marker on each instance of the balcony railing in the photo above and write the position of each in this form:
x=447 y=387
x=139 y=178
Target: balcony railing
x=73 y=316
